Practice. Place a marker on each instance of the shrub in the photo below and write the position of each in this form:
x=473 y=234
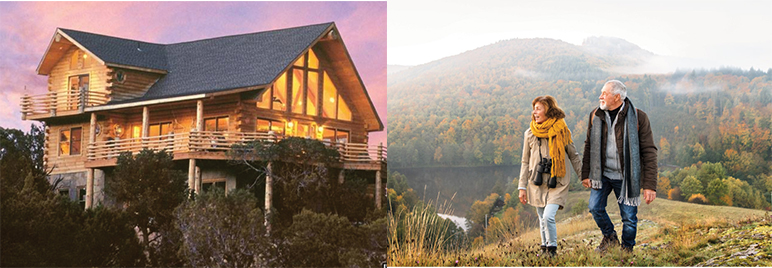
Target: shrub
x=698 y=199
x=579 y=207
x=674 y=194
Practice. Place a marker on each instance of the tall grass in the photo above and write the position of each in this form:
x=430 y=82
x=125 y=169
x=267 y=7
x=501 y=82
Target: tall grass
x=673 y=234
x=419 y=234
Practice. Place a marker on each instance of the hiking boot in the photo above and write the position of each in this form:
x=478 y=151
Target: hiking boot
x=552 y=251
x=627 y=249
x=543 y=250
x=608 y=241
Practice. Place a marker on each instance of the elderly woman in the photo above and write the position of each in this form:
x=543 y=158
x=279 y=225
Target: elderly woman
x=543 y=175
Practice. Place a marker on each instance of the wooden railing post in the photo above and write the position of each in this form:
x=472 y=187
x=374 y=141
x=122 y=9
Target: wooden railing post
x=380 y=152
x=24 y=100
x=81 y=100
x=52 y=104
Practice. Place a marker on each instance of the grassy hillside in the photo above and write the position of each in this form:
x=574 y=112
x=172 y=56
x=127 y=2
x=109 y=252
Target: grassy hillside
x=670 y=233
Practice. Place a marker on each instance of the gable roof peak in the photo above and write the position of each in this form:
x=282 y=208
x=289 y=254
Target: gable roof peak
x=251 y=33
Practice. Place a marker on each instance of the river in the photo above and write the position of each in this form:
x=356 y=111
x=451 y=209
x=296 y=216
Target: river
x=467 y=183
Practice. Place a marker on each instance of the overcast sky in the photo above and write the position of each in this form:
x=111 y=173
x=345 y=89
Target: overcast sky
x=26 y=29
x=715 y=33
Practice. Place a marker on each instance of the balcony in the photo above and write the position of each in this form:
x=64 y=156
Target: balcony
x=60 y=103
x=214 y=145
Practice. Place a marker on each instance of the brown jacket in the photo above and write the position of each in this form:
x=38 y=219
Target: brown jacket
x=540 y=196
x=647 y=147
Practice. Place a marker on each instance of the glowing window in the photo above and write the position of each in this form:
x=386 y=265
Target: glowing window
x=312 y=95
x=329 y=98
x=277 y=127
x=301 y=61
x=216 y=124
x=304 y=130
x=159 y=129
x=64 y=142
x=344 y=113
x=342 y=136
x=280 y=93
x=328 y=134
x=265 y=125
x=297 y=91
x=313 y=61
x=70 y=141
x=265 y=99
x=136 y=131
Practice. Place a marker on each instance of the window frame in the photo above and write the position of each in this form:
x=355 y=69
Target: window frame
x=216 y=123
x=73 y=96
x=271 y=122
x=70 y=140
x=82 y=196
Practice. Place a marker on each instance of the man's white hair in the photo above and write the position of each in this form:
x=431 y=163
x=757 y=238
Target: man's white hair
x=617 y=88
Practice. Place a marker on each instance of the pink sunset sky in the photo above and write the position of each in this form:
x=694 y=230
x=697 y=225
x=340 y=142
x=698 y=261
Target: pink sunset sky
x=26 y=29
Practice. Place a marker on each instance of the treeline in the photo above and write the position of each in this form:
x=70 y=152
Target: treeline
x=708 y=183
x=455 y=121
x=151 y=219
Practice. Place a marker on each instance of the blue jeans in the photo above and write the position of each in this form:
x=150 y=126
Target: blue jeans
x=547 y=228
x=597 y=207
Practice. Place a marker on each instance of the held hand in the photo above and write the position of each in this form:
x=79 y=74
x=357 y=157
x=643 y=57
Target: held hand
x=649 y=195
x=586 y=183
x=522 y=197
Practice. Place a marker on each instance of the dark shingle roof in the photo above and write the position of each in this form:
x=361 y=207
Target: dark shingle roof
x=208 y=65
x=122 y=51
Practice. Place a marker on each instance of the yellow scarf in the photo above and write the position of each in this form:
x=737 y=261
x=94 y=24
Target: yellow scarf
x=559 y=136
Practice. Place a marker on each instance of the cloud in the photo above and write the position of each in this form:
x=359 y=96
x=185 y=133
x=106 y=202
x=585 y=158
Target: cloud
x=686 y=85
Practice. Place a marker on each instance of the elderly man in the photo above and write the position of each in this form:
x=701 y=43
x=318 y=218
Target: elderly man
x=619 y=155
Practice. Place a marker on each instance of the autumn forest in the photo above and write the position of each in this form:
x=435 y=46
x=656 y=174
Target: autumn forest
x=712 y=126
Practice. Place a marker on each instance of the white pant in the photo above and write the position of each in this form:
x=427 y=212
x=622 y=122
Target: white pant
x=549 y=233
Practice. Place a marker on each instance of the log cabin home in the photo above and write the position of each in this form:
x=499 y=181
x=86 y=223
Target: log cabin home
x=108 y=95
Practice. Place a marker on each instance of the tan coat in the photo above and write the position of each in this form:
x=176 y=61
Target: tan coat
x=540 y=196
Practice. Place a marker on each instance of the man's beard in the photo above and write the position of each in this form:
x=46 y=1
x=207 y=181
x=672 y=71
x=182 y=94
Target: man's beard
x=603 y=105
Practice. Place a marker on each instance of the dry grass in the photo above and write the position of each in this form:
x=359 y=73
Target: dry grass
x=670 y=233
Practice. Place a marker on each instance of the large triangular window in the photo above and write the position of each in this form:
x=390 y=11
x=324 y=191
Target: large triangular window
x=307 y=86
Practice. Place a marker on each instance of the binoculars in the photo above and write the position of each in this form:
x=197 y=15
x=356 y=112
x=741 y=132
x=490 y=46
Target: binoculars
x=544 y=167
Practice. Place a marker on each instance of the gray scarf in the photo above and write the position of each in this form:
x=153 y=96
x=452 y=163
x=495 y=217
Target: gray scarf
x=631 y=183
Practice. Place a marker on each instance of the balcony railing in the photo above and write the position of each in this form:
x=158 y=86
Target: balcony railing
x=210 y=141
x=113 y=148
x=52 y=103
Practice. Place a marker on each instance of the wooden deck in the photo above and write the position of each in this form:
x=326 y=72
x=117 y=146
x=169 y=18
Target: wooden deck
x=209 y=145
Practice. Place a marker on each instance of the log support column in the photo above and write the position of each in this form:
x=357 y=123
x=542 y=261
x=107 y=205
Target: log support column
x=268 y=197
x=90 y=171
x=378 y=189
x=145 y=121
x=192 y=175
x=194 y=172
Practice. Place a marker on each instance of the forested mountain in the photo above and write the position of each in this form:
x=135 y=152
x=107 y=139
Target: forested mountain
x=471 y=109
